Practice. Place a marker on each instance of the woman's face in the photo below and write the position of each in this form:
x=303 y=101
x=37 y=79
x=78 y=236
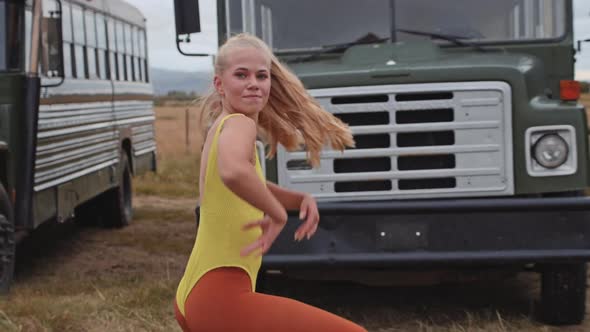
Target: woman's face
x=244 y=83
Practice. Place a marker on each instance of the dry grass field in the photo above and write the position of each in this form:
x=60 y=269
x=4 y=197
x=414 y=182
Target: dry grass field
x=80 y=278
x=179 y=154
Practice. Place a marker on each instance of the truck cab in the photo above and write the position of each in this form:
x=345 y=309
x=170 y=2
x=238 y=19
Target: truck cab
x=471 y=148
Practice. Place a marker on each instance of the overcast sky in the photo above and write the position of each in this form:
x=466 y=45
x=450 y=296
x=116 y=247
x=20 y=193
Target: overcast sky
x=163 y=52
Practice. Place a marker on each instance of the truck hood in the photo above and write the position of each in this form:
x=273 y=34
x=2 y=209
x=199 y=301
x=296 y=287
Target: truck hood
x=421 y=62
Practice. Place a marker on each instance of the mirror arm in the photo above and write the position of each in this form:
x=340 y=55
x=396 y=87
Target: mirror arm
x=187 y=40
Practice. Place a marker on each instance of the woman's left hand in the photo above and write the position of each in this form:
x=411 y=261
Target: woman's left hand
x=309 y=213
x=270 y=230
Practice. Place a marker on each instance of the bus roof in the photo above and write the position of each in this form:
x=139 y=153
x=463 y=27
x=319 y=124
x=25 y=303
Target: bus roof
x=117 y=8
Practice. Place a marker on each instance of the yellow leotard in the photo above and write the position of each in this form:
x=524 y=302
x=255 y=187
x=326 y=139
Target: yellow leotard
x=220 y=236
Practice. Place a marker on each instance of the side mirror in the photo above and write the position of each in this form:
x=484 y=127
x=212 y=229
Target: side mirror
x=187 y=17
x=51 y=57
x=51 y=47
x=186 y=13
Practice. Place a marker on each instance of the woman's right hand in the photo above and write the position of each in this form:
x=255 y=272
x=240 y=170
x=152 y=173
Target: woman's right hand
x=270 y=230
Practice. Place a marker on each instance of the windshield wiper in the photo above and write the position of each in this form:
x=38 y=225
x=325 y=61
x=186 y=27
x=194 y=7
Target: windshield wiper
x=338 y=48
x=457 y=40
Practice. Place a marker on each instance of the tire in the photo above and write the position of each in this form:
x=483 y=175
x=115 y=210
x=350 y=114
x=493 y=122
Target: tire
x=117 y=203
x=563 y=294
x=7 y=242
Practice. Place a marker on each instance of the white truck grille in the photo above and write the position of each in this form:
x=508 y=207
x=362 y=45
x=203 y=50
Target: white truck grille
x=413 y=141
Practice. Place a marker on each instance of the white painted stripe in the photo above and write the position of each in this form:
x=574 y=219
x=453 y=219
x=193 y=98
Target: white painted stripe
x=75 y=175
x=144 y=151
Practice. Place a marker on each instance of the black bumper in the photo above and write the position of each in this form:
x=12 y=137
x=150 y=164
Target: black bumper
x=433 y=232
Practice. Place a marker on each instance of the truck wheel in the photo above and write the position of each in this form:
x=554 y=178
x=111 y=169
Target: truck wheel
x=7 y=242
x=117 y=204
x=563 y=293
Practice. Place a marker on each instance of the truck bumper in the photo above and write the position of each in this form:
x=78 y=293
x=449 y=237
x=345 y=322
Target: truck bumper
x=437 y=232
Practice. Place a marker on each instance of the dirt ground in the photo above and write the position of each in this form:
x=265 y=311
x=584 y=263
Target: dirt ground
x=82 y=278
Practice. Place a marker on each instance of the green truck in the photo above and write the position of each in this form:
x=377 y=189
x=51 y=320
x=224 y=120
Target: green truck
x=76 y=115
x=471 y=147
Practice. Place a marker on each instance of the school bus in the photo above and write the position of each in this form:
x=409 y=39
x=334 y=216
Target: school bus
x=471 y=147
x=76 y=115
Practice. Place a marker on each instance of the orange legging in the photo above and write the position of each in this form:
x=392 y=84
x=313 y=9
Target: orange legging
x=222 y=301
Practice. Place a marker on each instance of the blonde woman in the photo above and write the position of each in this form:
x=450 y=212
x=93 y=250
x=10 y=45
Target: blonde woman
x=241 y=215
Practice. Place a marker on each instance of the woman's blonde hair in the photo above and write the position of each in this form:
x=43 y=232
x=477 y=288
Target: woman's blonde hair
x=291 y=117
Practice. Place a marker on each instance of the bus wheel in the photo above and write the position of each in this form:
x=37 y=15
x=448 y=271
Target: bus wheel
x=563 y=293
x=118 y=201
x=7 y=242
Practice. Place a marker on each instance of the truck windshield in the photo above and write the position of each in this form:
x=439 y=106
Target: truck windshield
x=10 y=44
x=311 y=24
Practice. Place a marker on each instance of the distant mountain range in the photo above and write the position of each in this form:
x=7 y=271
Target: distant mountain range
x=166 y=80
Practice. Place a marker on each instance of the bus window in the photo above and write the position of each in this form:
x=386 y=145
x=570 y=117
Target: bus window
x=138 y=66
x=78 y=25
x=530 y=19
x=113 y=66
x=128 y=52
x=79 y=42
x=129 y=67
x=119 y=37
x=142 y=55
x=266 y=24
x=68 y=63
x=101 y=43
x=122 y=67
x=137 y=58
x=120 y=51
x=79 y=71
x=136 y=74
x=90 y=26
x=141 y=43
x=146 y=71
x=112 y=46
x=235 y=22
x=132 y=39
x=66 y=19
x=66 y=22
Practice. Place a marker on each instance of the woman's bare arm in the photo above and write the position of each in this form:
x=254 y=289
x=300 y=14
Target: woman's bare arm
x=235 y=151
x=290 y=199
x=305 y=203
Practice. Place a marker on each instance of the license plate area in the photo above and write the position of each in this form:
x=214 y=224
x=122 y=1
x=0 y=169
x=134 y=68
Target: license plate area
x=401 y=236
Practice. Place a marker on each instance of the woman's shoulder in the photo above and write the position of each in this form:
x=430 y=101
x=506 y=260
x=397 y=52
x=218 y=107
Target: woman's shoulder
x=238 y=123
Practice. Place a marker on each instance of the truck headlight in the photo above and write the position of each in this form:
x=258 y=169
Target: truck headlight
x=550 y=151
